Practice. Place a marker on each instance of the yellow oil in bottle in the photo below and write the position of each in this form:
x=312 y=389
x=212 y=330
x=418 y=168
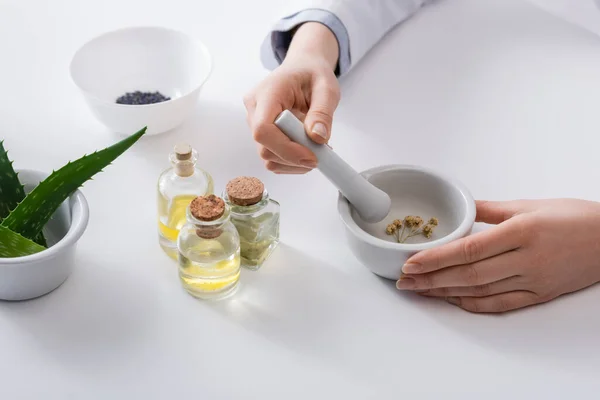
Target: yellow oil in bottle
x=209 y=276
x=171 y=218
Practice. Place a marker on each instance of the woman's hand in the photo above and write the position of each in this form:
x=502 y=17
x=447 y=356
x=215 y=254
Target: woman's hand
x=305 y=84
x=538 y=250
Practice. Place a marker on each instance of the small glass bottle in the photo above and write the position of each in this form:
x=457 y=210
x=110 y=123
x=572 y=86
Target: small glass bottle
x=256 y=217
x=177 y=187
x=209 y=250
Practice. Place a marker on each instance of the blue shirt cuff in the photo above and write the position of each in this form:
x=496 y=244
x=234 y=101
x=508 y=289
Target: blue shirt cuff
x=282 y=34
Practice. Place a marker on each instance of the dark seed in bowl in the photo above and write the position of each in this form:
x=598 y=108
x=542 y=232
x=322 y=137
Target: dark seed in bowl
x=137 y=97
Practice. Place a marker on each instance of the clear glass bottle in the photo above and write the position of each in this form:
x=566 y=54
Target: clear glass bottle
x=256 y=217
x=209 y=250
x=178 y=185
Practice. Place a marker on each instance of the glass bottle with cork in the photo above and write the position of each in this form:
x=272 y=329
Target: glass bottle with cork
x=209 y=250
x=256 y=217
x=177 y=186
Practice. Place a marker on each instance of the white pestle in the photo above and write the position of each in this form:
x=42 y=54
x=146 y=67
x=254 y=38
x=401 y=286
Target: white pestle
x=371 y=203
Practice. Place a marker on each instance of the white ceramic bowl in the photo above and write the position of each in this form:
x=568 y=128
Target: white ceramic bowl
x=414 y=191
x=144 y=59
x=23 y=278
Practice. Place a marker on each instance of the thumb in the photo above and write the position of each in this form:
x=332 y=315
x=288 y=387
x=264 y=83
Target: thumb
x=496 y=212
x=324 y=100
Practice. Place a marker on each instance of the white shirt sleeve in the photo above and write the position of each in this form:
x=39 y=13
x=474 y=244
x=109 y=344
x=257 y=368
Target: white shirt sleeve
x=357 y=24
x=584 y=13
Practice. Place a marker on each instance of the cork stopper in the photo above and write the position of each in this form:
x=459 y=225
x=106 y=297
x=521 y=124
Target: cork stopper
x=245 y=190
x=207 y=208
x=183 y=151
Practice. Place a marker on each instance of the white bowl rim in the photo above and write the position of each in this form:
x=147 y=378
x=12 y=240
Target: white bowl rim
x=74 y=233
x=344 y=210
x=197 y=41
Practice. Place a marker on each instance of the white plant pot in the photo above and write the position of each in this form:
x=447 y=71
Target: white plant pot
x=23 y=278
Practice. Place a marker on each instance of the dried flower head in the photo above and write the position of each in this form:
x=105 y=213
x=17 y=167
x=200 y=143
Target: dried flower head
x=390 y=229
x=433 y=221
x=418 y=222
x=397 y=223
x=427 y=231
x=413 y=221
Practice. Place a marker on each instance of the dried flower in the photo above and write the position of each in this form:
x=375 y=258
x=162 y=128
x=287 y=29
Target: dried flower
x=413 y=221
x=390 y=229
x=410 y=225
x=427 y=231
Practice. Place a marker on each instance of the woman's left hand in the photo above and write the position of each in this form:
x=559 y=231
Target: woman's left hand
x=538 y=250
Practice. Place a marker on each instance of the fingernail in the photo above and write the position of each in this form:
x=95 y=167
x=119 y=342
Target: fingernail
x=308 y=163
x=320 y=129
x=411 y=268
x=405 y=282
x=453 y=300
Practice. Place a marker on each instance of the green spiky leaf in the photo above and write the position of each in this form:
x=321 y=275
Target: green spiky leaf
x=11 y=190
x=30 y=216
x=14 y=245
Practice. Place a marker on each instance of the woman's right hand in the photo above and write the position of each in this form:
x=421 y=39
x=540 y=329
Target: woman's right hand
x=305 y=83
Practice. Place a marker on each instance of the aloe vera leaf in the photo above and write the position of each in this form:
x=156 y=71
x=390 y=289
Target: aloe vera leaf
x=14 y=245
x=11 y=190
x=30 y=216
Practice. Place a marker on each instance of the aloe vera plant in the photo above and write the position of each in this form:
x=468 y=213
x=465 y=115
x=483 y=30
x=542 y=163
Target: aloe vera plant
x=24 y=216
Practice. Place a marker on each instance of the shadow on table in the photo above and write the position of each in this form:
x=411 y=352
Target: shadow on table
x=89 y=333
x=306 y=306
x=559 y=331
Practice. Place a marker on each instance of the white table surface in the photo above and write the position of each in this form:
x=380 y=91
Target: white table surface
x=498 y=93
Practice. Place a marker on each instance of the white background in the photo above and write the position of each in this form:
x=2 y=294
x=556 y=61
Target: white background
x=499 y=94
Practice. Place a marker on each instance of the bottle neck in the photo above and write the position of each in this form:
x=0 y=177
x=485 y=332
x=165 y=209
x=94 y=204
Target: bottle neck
x=208 y=229
x=184 y=167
